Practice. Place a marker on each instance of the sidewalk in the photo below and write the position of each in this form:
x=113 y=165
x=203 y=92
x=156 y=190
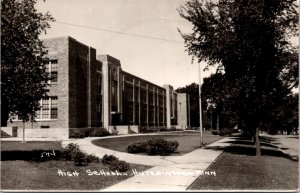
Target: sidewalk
x=176 y=172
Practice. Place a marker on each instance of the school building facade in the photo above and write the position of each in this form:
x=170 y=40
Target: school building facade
x=90 y=91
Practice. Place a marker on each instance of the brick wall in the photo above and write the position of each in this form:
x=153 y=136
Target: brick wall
x=57 y=49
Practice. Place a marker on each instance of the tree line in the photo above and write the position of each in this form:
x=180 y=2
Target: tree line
x=257 y=64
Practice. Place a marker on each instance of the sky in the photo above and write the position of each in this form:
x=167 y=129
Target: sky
x=160 y=62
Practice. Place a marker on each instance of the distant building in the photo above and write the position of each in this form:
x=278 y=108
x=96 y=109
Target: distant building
x=89 y=91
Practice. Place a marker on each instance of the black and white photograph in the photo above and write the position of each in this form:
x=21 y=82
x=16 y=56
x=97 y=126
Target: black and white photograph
x=149 y=95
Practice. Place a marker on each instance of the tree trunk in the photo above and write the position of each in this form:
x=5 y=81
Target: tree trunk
x=211 y=121
x=218 y=123
x=257 y=142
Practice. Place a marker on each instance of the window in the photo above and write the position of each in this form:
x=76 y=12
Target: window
x=45 y=109
x=99 y=82
x=48 y=108
x=150 y=102
x=144 y=97
x=129 y=93
x=129 y=114
x=98 y=114
x=114 y=97
x=136 y=95
x=51 y=68
x=53 y=108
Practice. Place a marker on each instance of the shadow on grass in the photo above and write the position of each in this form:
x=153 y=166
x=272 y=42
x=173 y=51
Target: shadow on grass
x=295 y=137
x=242 y=146
x=33 y=155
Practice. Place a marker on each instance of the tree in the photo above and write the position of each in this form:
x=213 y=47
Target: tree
x=23 y=74
x=250 y=40
x=214 y=90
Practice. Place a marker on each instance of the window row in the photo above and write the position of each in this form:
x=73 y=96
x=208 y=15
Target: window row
x=48 y=109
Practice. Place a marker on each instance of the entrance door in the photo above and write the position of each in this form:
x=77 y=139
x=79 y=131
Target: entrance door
x=115 y=119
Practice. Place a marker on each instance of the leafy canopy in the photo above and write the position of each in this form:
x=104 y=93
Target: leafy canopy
x=23 y=73
x=250 y=41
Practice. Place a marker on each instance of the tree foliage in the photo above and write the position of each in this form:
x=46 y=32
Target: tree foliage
x=23 y=74
x=250 y=41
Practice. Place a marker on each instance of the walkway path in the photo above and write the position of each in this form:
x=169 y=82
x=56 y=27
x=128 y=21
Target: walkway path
x=176 y=172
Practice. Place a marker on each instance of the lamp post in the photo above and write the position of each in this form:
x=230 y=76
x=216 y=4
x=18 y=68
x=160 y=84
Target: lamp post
x=200 y=109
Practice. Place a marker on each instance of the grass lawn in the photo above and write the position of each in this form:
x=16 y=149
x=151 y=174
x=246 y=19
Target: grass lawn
x=30 y=145
x=28 y=175
x=238 y=168
x=19 y=171
x=188 y=141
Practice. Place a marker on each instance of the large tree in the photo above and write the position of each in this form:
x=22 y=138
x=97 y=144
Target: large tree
x=23 y=74
x=250 y=40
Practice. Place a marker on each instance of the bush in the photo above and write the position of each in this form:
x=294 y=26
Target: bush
x=92 y=159
x=154 y=146
x=77 y=134
x=73 y=153
x=225 y=132
x=172 y=146
x=114 y=163
x=80 y=158
x=160 y=146
x=70 y=151
x=215 y=132
x=99 y=132
x=120 y=166
x=149 y=129
x=114 y=131
x=107 y=159
x=139 y=147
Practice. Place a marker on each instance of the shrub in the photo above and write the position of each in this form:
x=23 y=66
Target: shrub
x=93 y=159
x=139 y=147
x=172 y=146
x=225 y=132
x=99 y=132
x=154 y=146
x=120 y=166
x=107 y=159
x=77 y=134
x=73 y=153
x=149 y=129
x=80 y=158
x=215 y=132
x=114 y=163
x=69 y=151
x=160 y=146
x=114 y=131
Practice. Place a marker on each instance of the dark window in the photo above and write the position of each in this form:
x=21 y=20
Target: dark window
x=51 y=69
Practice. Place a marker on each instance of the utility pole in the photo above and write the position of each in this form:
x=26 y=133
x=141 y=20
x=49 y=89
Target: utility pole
x=200 y=108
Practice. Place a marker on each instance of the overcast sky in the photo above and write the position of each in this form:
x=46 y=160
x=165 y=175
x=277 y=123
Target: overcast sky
x=157 y=61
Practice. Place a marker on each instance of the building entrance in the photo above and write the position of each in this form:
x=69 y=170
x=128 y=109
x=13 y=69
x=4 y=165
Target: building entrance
x=115 y=118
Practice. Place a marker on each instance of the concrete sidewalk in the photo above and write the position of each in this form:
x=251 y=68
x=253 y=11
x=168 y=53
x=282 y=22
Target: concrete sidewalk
x=170 y=173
